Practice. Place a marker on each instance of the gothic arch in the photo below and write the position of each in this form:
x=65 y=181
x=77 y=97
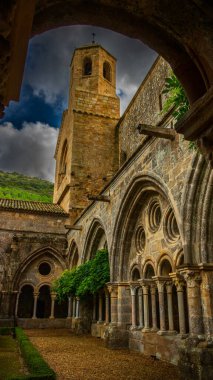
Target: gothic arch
x=73 y=256
x=164 y=263
x=197 y=212
x=127 y=216
x=135 y=272
x=36 y=255
x=96 y=235
x=149 y=269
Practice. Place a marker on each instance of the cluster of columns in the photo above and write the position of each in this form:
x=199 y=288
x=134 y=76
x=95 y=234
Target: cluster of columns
x=150 y=297
x=73 y=307
x=35 y=303
x=103 y=312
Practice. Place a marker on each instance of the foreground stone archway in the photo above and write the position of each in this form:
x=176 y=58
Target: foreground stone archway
x=182 y=35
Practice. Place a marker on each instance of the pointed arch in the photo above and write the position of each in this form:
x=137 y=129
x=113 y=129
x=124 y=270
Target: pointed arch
x=96 y=238
x=36 y=255
x=197 y=212
x=132 y=202
x=73 y=256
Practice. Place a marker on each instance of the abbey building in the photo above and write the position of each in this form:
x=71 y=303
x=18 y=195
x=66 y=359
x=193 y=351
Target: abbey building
x=130 y=184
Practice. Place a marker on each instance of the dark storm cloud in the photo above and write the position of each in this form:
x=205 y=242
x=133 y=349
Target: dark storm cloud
x=27 y=141
x=33 y=108
x=29 y=150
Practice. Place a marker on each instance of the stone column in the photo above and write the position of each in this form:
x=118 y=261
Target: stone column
x=124 y=305
x=160 y=285
x=140 y=307
x=113 y=290
x=193 y=281
x=53 y=297
x=133 y=290
x=207 y=297
x=35 y=305
x=74 y=307
x=77 y=314
x=17 y=302
x=154 y=313
x=94 y=308
x=146 y=307
x=107 y=318
x=170 y=307
x=69 y=312
x=181 y=312
x=100 y=308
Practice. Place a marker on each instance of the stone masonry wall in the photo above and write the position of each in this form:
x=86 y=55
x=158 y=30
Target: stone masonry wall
x=23 y=233
x=144 y=108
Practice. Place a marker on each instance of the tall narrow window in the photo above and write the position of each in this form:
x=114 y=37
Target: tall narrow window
x=63 y=163
x=107 y=71
x=87 y=67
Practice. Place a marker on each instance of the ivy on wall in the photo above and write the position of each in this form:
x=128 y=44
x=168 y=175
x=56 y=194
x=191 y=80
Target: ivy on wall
x=85 y=279
x=176 y=97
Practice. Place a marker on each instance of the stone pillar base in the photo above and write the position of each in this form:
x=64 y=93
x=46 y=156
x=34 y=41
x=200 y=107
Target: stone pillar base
x=196 y=360
x=115 y=337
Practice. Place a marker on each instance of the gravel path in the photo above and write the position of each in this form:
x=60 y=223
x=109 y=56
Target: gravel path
x=85 y=358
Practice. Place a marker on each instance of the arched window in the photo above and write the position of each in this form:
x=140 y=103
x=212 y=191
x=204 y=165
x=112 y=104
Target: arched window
x=87 y=66
x=149 y=272
x=63 y=163
x=26 y=301
x=107 y=71
x=166 y=268
x=44 y=302
x=135 y=274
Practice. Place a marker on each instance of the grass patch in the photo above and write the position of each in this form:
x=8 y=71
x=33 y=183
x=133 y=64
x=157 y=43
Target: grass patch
x=37 y=367
x=7 y=330
x=21 y=187
x=10 y=363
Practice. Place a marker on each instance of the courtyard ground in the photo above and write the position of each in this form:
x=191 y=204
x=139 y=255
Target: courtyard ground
x=85 y=358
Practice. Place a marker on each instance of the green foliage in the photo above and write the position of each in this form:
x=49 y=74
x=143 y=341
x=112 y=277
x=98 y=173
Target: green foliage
x=21 y=187
x=38 y=368
x=176 y=98
x=6 y=330
x=87 y=278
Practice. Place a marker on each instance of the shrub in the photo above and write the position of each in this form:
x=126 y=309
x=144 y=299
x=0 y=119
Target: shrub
x=38 y=368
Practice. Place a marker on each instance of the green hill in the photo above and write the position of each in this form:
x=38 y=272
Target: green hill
x=21 y=187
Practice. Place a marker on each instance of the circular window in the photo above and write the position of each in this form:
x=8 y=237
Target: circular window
x=44 y=269
x=140 y=239
x=171 y=227
x=155 y=215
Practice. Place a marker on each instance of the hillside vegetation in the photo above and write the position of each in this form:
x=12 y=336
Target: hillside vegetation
x=21 y=187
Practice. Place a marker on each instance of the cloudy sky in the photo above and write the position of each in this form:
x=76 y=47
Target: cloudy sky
x=29 y=130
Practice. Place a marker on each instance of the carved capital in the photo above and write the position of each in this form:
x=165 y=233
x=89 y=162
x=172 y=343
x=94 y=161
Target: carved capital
x=161 y=286
x=113 y=290
x=192 y=278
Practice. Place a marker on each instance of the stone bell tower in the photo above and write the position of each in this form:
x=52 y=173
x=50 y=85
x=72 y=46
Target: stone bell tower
x=87 y=148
